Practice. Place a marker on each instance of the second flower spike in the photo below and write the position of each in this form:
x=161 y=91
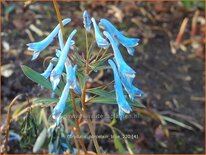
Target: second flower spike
x=123 y=105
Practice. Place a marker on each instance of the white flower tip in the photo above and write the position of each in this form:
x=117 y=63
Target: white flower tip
x=66 y=20
x=55 y=81
x=127 y=109
x=93 y=20
x=35 y=55
x=56 y=114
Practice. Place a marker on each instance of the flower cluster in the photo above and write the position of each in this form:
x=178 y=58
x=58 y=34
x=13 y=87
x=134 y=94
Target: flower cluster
x=123 y=73
x=62 y=61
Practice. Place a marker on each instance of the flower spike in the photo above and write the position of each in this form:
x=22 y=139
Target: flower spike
x=123 y=105
x=129 y=43
x=87 y=21
x=38 y=47
x=125 y=69
x=101 y=42
x=57 y=71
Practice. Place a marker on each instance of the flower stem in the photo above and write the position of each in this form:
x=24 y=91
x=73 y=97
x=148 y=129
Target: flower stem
x=75 y=140
x=91 y=128
x=72 y=93
x=77 y=123
x=59 y=17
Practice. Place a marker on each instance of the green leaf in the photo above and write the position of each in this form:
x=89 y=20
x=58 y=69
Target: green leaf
x=101 y=92
x=135 y=103
x=103 y=99
x=118 y=145
x=69 y=107
x=100 y=67
x=38 y=78
x=171 y=120
x=187 y=3
x=10 y=8
x=109 y=98
x=82 y=80
x=79 y=60
x=61 y=84
x=40 y=140
x=45 y=101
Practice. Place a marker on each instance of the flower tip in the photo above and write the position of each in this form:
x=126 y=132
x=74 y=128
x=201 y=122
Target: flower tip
x=107 y=34
x=30 y=46
x=127 y=109
x=35 y=55
x=74 y=31
x=55 y=81
x=85 y=13
x=72 y=42
x=58 y=53
x=56 y=114
x=66 y=20
x=110 y=61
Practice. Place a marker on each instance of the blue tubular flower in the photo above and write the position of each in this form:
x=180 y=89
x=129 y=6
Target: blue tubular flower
x=127 y=72
x=129 y=43
x=37 y=47
x=47 y=72
x=59 y=108
x=61 y=42
x=130 y=88
x=87 y=21
x=57 y=71
x=71 y=78
x=123 y=105
x=101 y=42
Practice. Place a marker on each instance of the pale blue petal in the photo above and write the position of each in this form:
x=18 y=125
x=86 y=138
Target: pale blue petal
x=125 y=69
x=35 y=54
x=57 y=71
x=130 y=50
x=121 y=114
x=59 y=108
x=58 y=53
x=71 y=78
x=38 y=47
x=130 y=88
x=117 y=35
x=48 y=70
x=101 y=42
x=87 y=21
x=121 y=100
x=61 y=42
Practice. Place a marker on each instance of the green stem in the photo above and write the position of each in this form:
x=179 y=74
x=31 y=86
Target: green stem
x=91 y=128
